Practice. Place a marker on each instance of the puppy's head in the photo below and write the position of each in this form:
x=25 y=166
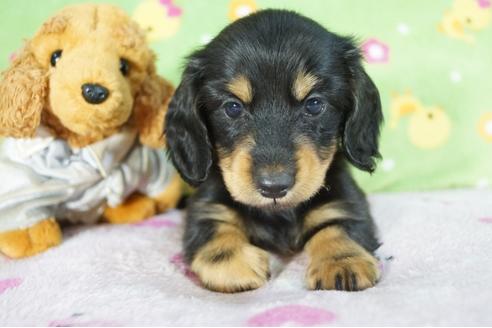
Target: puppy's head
x=270 y=101
x=88 y=69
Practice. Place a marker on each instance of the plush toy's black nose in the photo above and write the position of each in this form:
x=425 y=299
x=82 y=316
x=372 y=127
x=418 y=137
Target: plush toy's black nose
x=94 y=93
x=275 y=185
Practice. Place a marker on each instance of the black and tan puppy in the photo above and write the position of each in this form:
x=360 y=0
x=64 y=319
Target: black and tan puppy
x=263 y=122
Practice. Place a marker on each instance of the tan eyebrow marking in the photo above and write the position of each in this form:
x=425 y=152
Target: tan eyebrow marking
x=303 y=84
x=240 y=86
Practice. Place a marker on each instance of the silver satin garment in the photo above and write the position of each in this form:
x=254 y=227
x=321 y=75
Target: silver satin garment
x=43 y=177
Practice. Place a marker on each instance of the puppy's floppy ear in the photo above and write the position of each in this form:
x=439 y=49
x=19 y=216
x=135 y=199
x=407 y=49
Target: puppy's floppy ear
x=151 y=103
x=23 y=92
x=361 y=130
x=186 y=132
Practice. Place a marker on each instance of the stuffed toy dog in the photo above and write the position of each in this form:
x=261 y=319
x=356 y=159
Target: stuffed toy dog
x=83 y=111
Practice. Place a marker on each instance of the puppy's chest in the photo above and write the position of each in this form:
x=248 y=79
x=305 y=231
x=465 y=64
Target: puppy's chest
x=276 y=232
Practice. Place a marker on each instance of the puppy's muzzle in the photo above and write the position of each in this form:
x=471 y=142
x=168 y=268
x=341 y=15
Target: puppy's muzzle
x=274 y=185
x=94 y=93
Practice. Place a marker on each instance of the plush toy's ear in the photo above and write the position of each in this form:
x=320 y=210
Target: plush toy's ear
x=23 y=92
x=186 y=132
x=361 y=131
x=150 y=108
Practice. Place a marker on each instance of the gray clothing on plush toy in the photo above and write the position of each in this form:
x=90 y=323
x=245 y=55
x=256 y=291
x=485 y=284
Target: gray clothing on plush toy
x=44 y=177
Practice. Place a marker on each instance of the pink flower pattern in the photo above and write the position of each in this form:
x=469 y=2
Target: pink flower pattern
x=375 y=51
x=289 y=315
x=6 y=284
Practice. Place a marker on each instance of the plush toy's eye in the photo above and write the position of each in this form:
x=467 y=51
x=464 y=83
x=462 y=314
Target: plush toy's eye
x=124 y=66
x=314 y=106
x=55 y=57
x=233 y=109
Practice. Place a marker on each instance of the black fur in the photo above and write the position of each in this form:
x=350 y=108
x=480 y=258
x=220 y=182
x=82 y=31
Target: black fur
x=187 y=135
x=269 y=48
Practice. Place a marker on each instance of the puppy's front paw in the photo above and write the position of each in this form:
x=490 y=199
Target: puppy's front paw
x=350 y=272
x=232 y=270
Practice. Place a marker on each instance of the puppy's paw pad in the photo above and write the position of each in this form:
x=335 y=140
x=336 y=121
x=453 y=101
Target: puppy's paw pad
x=353 y=273
x=232 y=270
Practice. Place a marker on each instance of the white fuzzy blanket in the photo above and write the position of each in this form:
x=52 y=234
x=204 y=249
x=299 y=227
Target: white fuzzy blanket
x=440 y=274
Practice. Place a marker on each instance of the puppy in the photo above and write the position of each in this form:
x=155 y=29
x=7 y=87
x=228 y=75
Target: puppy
x=263 y=123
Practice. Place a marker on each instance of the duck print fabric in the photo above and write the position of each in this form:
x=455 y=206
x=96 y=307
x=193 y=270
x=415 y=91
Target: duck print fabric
x=431 y=61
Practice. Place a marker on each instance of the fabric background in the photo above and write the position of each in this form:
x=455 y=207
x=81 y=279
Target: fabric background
x=435 y=88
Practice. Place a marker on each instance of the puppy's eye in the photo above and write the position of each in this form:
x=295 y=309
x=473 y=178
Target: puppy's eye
x=233 y=109
x=124 y=66
x=55 y=57
x=314 y=106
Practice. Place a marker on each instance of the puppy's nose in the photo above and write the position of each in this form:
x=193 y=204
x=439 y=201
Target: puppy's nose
x=275 y=185
x=94 y=93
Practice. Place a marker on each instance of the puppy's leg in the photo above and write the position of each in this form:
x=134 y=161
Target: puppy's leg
x=336 y=261
x=30 y=241
x=219 y=251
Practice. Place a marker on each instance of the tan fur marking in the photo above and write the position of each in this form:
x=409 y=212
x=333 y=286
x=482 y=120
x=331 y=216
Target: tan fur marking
x=240 y=86
x=333 y=254
x=303 y=84
x=325 y=213
x=219 y=212
x=246 y=268
x=236 y=170
x=311 y=169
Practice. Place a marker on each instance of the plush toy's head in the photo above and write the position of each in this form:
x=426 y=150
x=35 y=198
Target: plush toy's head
x=86 y=73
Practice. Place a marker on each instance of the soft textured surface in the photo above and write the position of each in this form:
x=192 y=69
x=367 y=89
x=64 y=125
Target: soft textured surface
x=430 y=60
x=133 y=275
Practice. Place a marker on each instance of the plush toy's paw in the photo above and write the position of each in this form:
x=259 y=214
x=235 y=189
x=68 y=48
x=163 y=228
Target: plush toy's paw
x=169 y=198
x=232 y=271
x=350 y=272
x=30 y=241
x=135 y=209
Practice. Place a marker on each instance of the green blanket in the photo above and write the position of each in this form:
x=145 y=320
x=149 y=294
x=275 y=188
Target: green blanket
x=432 y=62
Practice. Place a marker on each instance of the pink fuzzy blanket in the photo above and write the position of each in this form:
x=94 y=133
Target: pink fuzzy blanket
x=436 y=258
